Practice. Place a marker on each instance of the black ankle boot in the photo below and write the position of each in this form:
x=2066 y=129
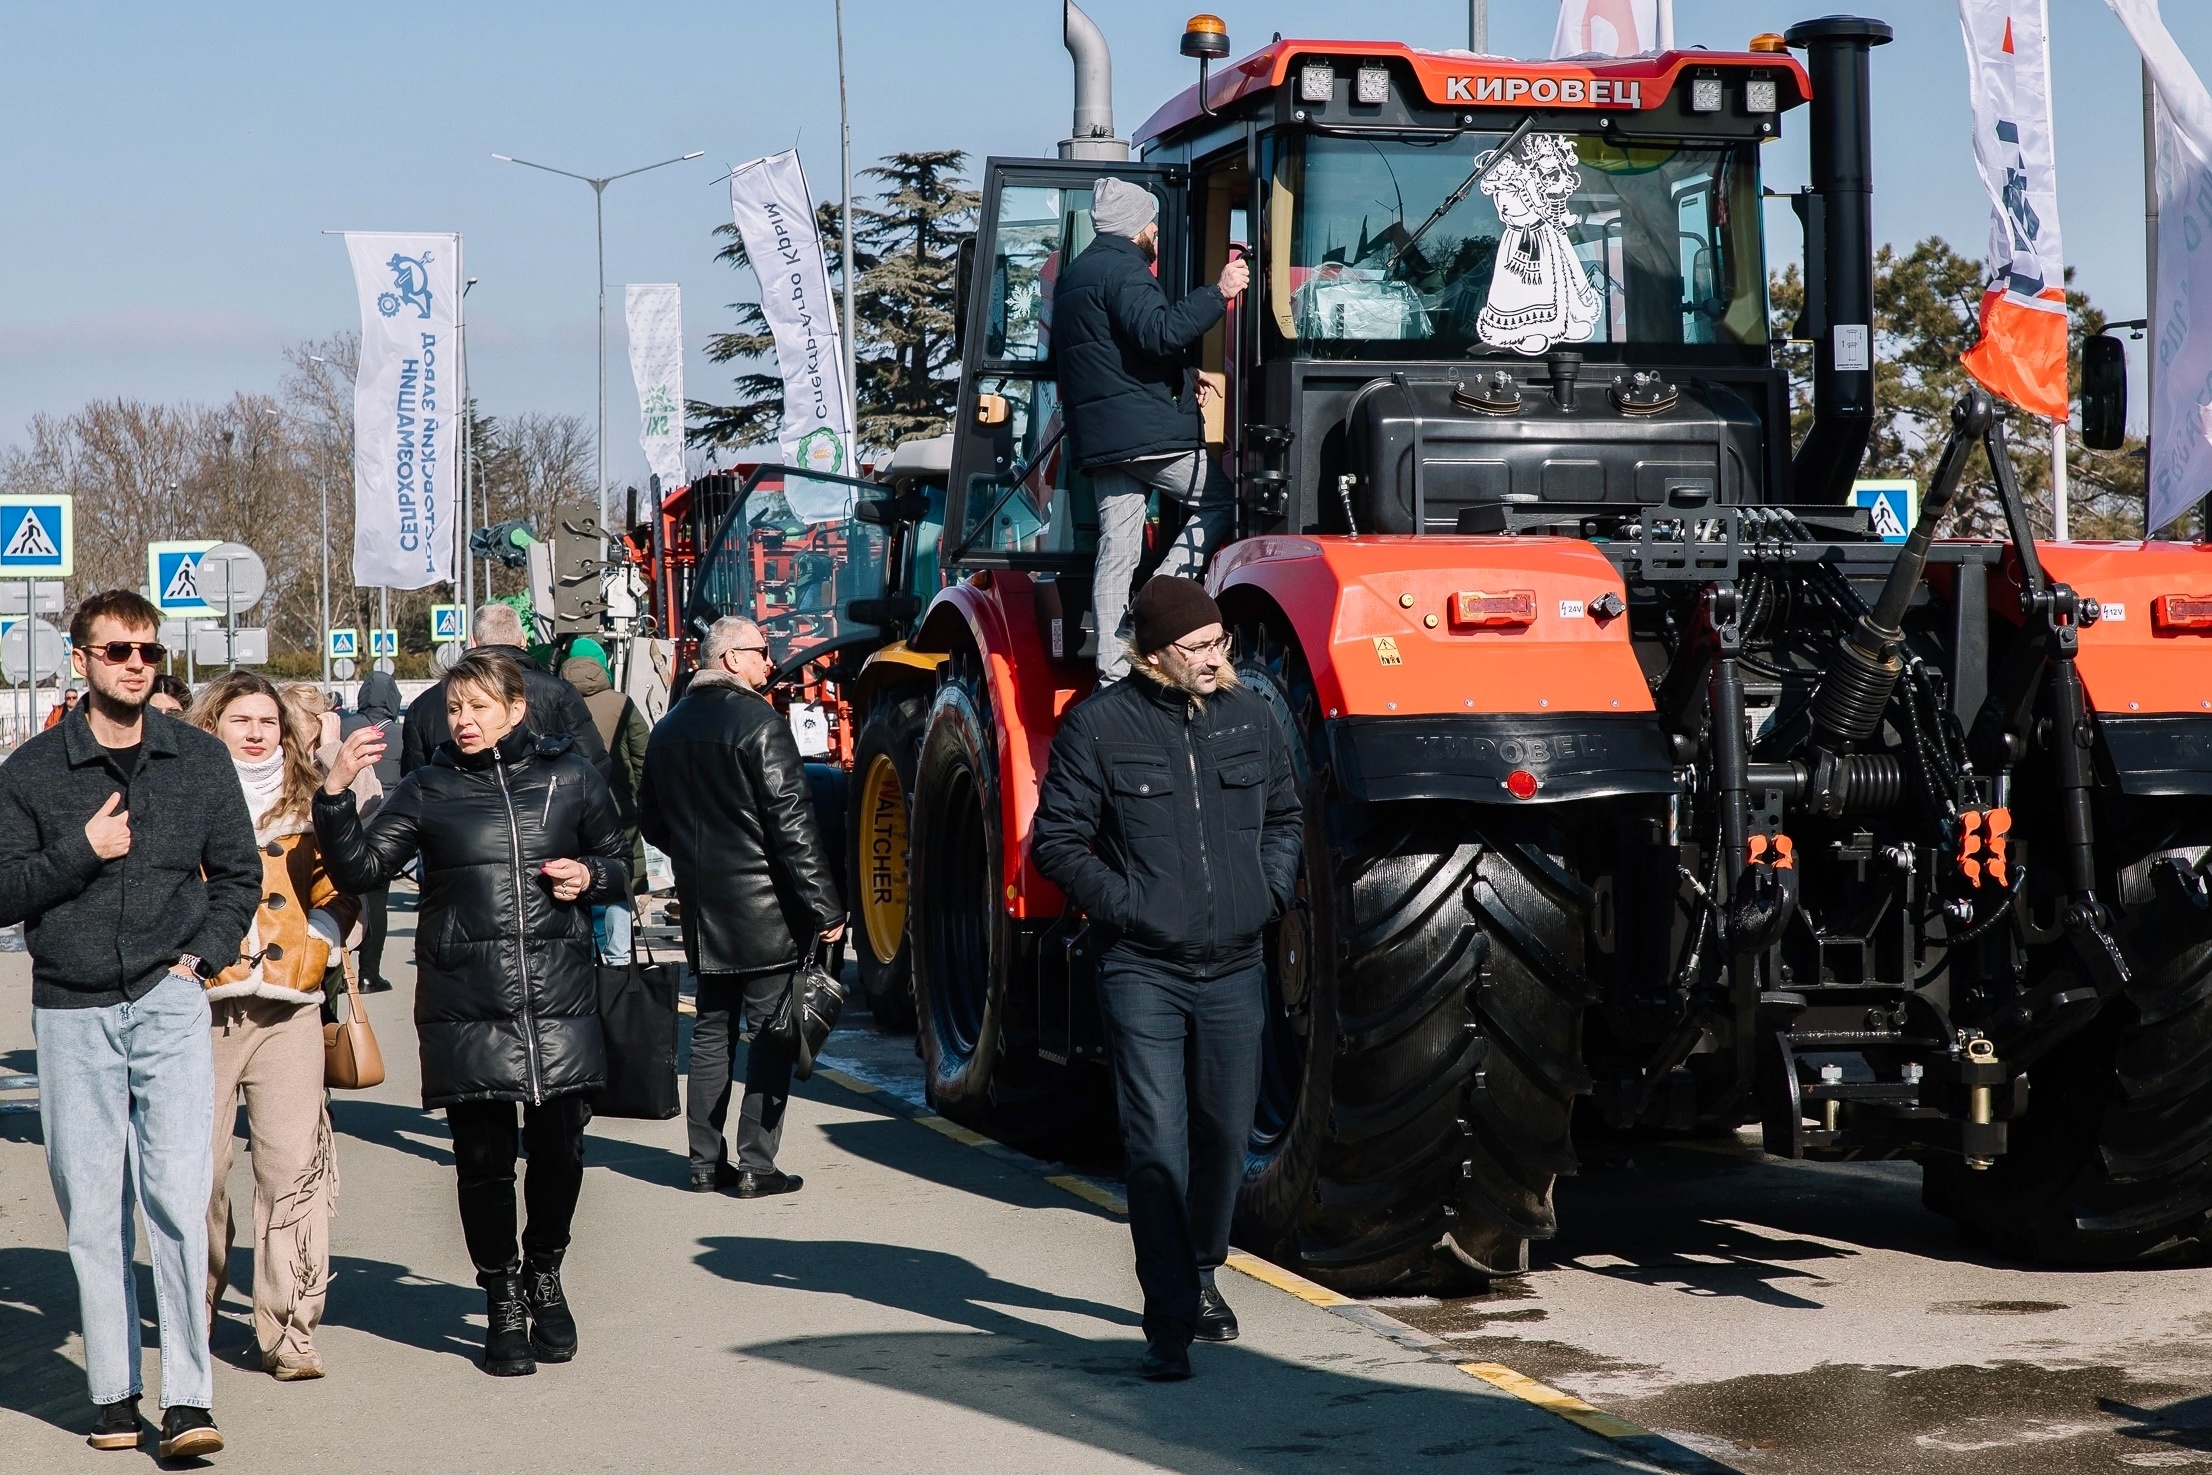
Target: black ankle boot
x=552 y=1324
x=507 y=1338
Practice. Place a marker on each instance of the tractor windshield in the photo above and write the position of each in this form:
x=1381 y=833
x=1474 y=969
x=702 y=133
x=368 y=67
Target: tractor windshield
x=1387 y=247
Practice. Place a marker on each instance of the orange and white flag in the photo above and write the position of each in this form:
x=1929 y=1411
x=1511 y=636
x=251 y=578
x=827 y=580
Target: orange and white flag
x=2022 y=352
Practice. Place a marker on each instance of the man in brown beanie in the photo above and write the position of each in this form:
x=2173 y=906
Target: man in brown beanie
x=1170 y=818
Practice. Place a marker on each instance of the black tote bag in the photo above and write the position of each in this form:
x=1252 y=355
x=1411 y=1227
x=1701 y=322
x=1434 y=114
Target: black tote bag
x=637 y=1014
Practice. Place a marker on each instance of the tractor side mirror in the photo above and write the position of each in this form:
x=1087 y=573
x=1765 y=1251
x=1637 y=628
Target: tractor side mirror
x=2104 y=392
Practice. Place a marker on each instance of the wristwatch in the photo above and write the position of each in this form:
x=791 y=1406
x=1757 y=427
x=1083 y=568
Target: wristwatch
x=195 y=965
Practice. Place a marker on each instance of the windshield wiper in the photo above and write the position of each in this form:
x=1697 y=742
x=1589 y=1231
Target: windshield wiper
x=1474 y=177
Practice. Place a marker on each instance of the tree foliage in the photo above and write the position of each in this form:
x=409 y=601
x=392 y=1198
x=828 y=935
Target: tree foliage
x=1927 y=307
x=905 y=251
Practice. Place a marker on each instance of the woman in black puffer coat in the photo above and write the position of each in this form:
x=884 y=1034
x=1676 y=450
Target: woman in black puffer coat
x=519 y=838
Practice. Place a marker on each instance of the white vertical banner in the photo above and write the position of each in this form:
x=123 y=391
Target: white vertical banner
x=775 y=216
x=655 y=314
x=406 y=408
x=1607 y=28
x=2181 y=336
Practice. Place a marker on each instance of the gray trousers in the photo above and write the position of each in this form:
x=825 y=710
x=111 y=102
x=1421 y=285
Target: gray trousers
x=727 y=1003
x=1191 y=479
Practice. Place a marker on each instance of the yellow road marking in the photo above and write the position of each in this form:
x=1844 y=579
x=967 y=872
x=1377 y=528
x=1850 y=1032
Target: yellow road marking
x=1284 y=1280
x=1091 y=1193
x=850 y=1083
x=1551 y=1400
x=953 y=1130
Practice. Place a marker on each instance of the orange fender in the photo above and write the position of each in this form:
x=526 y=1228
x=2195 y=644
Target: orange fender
x=1375 y=617
x=996 y=610
x=2131 y=661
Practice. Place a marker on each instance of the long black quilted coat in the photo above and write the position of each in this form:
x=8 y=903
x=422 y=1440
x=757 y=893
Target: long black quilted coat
x=506 y=996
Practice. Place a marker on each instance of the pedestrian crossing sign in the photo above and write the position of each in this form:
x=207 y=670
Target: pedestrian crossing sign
x=345 y=645
x=37 y=537
x=445 y=623
x=1892 y=506
x=173 y=579
x=383 y=643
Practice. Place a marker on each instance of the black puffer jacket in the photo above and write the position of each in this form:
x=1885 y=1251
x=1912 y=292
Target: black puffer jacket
x=1174 y=822
x=726 y=796
x=1121 y=354
x=506 y=994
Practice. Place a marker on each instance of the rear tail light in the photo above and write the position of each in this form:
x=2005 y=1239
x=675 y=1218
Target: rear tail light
x=1475 y=610
x=2182 y=612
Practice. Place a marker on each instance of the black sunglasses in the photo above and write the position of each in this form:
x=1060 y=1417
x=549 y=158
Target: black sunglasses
x=116 y=652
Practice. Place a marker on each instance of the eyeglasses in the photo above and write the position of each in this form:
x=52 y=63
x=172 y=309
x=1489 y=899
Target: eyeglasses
x=747 y=650
x=1218 y=646
x=116 y=652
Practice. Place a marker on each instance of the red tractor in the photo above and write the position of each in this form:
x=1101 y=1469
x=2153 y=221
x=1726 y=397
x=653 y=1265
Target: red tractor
x=1651 y=783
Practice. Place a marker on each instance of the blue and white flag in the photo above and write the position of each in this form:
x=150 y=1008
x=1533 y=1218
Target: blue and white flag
x=406 y=408
x=775 y=216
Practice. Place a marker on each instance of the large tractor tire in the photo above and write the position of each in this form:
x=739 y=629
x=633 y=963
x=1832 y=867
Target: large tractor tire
x=879 y=810
x=1424 y=1035
x=2113 y=1160
x=973 y=965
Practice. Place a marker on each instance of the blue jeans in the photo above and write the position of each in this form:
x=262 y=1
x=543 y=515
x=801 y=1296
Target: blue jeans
x=610 y=927
x=1186 y=1060
x=127 y=1102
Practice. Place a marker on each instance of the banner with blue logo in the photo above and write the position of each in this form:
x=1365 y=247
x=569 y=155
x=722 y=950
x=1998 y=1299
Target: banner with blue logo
x=406 y=408
x=775 y=217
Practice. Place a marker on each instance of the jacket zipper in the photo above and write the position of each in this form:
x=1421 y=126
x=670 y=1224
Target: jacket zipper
x=522 y=940
x=545 y=820
x=1198 y=814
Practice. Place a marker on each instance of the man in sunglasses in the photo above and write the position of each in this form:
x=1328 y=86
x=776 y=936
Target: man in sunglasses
x=126 y=847
x=1170 y=817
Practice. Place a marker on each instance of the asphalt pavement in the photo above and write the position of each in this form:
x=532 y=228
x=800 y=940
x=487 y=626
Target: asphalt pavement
x=924 y=1304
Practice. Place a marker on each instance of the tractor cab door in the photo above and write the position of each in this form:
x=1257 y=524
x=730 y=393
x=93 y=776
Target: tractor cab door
x=803 y=555
x=1014 y=499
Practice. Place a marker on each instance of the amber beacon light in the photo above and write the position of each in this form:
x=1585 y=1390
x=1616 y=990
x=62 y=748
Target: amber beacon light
x=1207 y=38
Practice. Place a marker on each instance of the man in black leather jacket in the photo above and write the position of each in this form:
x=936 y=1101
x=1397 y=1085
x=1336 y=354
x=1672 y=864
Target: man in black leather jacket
x=556 y=708
x=1170 y=817
x=725 y=796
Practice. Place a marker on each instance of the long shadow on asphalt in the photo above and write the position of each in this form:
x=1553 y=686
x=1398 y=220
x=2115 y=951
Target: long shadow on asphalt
x=1246 y=1410
x=38 y=1314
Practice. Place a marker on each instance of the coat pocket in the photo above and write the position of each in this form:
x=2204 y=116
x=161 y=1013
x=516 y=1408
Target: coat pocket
x=1244 y=793
x=1144 y=798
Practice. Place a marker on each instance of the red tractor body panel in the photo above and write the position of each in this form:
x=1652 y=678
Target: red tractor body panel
x=2135 y=659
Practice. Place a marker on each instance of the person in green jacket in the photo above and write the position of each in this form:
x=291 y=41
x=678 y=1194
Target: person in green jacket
x=622 y=727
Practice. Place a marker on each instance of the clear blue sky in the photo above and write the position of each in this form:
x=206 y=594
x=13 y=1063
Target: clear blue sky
x=168 y=168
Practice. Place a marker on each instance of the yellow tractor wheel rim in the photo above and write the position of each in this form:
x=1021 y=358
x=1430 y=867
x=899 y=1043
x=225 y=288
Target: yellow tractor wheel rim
x=883 y=858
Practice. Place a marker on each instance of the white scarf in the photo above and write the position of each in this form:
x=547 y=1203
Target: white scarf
x=264 y=786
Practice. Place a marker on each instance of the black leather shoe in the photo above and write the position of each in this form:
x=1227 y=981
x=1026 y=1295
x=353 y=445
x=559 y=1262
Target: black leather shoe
x=374 y=985
x=722 y=1175
x=1216 y=1322
x=187 y=1433
x=507 y=1350
x=552 y=1324
x=116 y=1426
x=1164 y=1362
x=752 y=1183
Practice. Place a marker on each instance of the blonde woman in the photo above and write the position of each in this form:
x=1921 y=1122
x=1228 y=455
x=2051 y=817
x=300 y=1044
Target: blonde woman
x=268 y=1031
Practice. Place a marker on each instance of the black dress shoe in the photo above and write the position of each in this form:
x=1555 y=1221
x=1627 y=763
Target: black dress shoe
x=1216 y=1322
x=188 y=1432
x=1164 y=1362
x=707 y=1180
x=374 y=985
x=752 y=1183
x=116 y=1426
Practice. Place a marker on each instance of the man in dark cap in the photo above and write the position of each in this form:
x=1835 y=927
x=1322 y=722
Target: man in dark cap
x=1123 y=358
x=1170 y=818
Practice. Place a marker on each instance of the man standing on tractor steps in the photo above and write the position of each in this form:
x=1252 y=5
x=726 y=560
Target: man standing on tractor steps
x=1170 y=817
x=1124 y=359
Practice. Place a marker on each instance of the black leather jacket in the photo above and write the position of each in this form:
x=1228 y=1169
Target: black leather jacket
x=1175 y=823
x=506 y=991
x=726 y=797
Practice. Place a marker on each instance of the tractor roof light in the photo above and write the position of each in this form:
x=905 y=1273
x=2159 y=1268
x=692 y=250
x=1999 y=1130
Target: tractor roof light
x=2182 y=612
x=1705 y=95
x=1760 y=95
x=1768 y=42
x=1316 y=82
x=1206 y=38
x=1372 y=85
x=1471 y=609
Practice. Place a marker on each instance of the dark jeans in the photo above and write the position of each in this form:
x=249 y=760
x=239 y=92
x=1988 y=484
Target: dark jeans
x=375 y=918
x=1186 y=1062
x=728 y=1001
x=484 y=1157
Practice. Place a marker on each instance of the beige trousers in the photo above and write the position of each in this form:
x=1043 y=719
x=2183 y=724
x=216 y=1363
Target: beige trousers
x=272 y=1052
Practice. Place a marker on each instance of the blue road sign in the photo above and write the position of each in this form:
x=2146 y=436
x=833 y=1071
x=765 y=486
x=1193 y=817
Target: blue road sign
x=38 y=537
x=1893 y=505
x=173 y=579
x=445 y=623
x=345 y=645
x=383 y=643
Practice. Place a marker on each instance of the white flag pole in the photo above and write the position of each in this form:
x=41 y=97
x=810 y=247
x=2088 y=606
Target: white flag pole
x=852 y=326
x=1666 y=25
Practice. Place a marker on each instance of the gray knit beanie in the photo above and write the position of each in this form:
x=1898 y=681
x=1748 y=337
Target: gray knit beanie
x=1119 y=208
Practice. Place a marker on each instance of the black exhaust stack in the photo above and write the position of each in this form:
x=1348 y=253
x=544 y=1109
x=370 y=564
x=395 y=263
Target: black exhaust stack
x=1837 y=214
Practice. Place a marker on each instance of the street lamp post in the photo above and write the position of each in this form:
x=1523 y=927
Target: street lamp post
x=599 y=185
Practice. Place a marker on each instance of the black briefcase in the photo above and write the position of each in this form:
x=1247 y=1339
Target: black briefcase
x=637 y=1014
